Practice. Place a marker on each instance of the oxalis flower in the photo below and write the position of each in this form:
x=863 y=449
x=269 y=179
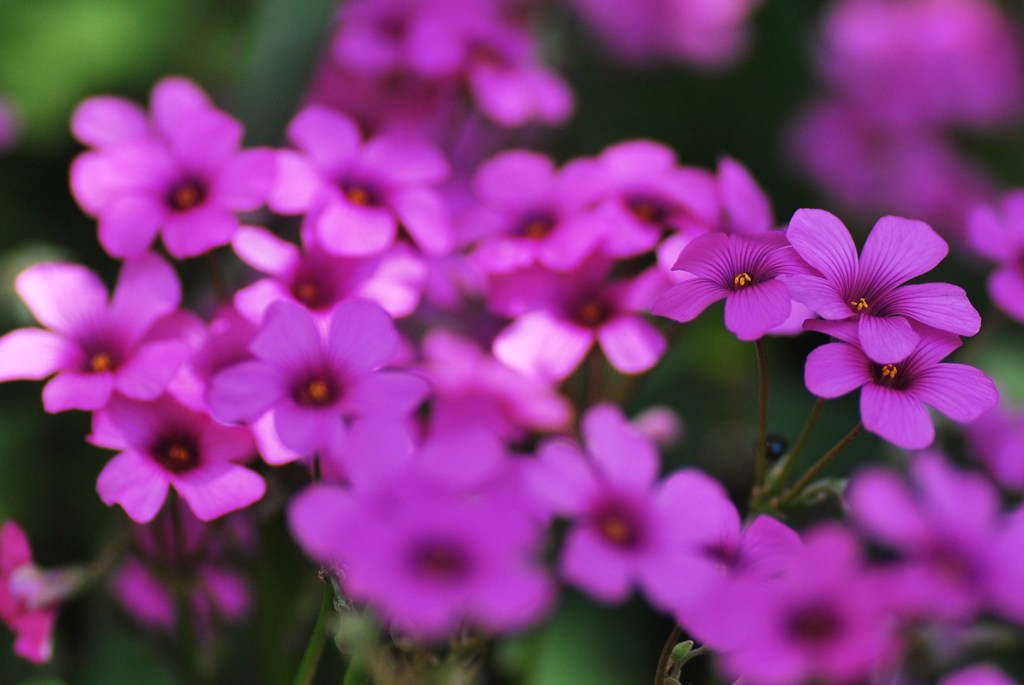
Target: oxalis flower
x=744 y=271
x=869 y=289
x=894 y=393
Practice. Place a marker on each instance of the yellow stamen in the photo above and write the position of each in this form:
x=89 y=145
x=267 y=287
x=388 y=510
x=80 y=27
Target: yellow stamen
x=742 y=279
x=186 y=196
x=100 y=362
x=358 y=195
x=616 y=530
x=860 y=304
x=889 y=371
x=179 y=454
x=318 y=390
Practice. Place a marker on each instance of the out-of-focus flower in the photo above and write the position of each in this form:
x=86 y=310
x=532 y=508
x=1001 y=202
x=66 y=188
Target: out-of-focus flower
x=178 y=172
x=997 y=232
x=96 y=344
x=996 y=439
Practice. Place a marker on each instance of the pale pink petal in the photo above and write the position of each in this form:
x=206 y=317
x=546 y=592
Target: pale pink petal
x=886 y=339
x=328 y=137
x=107 y=120
x=353 y=231
x=77 y=390
x=424 y=214
x=539 y=345
x=253 y=301
x=63 y=297
x=34 y=354
x=835 y=369
x=135 y=482
x=632 y=344
x=243 y=183
x=961 y=392
x=361 y=336
x=296 y=184
x=147 y=289
x=217 y=489
x=264 y=251
x=621 y=451
x=752 y=311
x=269 y=444
x=899 y=249
x=896 y=416
x=825 y=243
x=129 y=224
x=35 y=636
x=245 y=391
x=146 y=374
x=191 y=233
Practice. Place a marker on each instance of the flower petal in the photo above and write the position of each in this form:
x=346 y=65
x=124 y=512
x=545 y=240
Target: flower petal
x=150 y=369
x=824 y=243
x=685 y=301
x=886 y=339
x=135 y=482
x=631 y=343
x=328 y=137
x=129 y=223
x=621 y=451
x=361 y=336
x=899 y=249
x=264 y=251
x=752 y=311
x=214 y=490
x=34 y=354
x=961 y=392
x=939 y=305
x=352 y=231
x=899 y=417
x=77 y=390
x=191 y=233
x=66 y=298
x=243 y=392
x=107 y=120
x=539 y=345
x=835 y=369
x=147 y=289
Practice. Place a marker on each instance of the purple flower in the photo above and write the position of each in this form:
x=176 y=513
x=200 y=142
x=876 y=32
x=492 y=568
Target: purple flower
x=999 y=235
x=995 y=439
x=361 y=191
x=428 y=560
x=166 y=444
x=743 y=270
x=627 y=530
x=180 y=173
x=95 y=344
x=315 y=376
x=870 y=288
x=944 y=524
x=894 y=393
x=824 y=620
x=561 y=316
x=318 y=280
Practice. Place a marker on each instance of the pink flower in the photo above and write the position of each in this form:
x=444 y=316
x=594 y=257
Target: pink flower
x=998 y=233
x=166 y=444
x=361 y=190
x=95 y=344
x=894 y=393
x=179 y=172
x=316 y=376
x=29 y=596
x=870 y=289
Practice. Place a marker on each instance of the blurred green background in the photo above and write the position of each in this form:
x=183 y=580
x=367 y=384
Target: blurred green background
x=253 y=57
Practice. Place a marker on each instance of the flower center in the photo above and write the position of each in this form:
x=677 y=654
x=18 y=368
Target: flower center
x=440 y=560
x=617 y=525
x=307 y=293
x=536 y=226
x=592 y=313
x=186 y=195
x=361 y=195
x=814 y=625
x=742 y=279
x=100 y=362
x=859 y=305
x=889 y=372
x=647 y=210
x=317 y=392
x=176 y=453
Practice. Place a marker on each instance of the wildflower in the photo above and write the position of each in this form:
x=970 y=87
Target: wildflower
x=744 y=270
x=998 y=233
x=180 y=173
x=165 y=444
x=95 y=344
x=869 y=289
x=894 y=393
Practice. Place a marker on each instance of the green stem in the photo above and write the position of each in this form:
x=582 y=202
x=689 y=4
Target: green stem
x=666 y=652
x=812 y=472
x=789 y=462
x=761 y=467
x=315 y=646
x=182 y=580
x=355 y=674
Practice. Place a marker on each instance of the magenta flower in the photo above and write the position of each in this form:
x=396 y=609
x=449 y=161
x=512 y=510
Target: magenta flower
x=531 y=213
x=999 y=235
x=560 y=317
x=824 y=620
x=869 y=289
x=627 y=530
x=29 y=596
x=318 y=280
x=361 y=191
x=945 y=525
x=166 y=444
x=95 y=344
x=428 y=561
x=743 y=270
x=180 y=173
x=314 y=377
x=994 y=439
x=894 y=394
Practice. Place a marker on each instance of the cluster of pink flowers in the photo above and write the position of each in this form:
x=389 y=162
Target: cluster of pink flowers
x=395 y=369
x=900 y=78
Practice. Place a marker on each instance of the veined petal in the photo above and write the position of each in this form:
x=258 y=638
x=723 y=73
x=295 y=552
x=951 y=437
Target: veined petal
x=939 y=305
x=835 y=369
x=685 y=301
x=135 y=482
x=824 y=243
x=753 y=310
x=820 y=295
x=961 y=392
x=897 y=250
x=896 y=416
x=886 y=338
